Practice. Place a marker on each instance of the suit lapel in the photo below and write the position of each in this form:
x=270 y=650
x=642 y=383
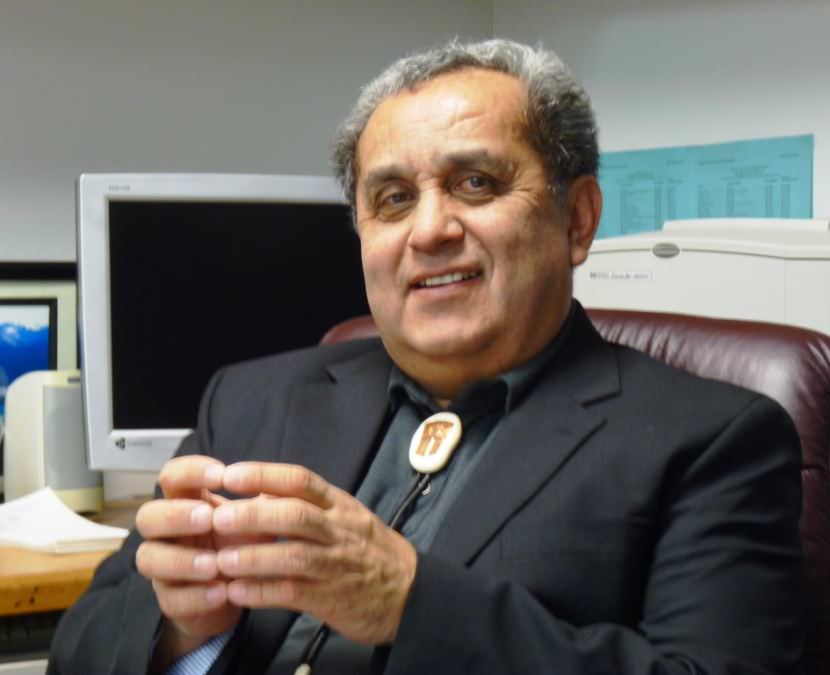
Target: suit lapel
x=532 y=442
x=332 y=425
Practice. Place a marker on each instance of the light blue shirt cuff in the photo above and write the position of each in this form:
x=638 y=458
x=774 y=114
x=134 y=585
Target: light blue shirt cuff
x=199 y=661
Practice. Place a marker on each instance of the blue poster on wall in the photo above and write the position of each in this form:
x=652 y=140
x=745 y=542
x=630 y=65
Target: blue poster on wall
x=27 y=343
x=764 y=178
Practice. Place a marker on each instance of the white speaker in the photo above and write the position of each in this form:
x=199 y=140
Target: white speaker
x=44 y=440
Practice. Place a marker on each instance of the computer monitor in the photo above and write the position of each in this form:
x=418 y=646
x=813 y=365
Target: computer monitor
x=182 y=274
x=28 y=341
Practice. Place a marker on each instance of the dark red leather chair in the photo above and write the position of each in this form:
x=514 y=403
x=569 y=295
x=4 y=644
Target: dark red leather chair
x=788 y=364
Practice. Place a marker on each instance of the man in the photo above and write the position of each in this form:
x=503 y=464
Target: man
x=602 y=514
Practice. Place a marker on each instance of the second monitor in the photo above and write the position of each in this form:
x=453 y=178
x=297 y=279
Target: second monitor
x=182 y=274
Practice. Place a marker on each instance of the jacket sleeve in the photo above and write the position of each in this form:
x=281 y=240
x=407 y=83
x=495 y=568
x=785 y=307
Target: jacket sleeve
x=111 y=628
x=724 y=591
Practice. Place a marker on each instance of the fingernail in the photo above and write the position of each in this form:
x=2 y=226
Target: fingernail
x=233 y=474
x=228 y=559
x=205 y=563
x=224 y=517
x=200 y=517
x=214 y=474
x=216 y=594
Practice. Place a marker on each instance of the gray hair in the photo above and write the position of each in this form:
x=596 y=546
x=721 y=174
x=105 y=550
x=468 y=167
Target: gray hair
x=560 y=122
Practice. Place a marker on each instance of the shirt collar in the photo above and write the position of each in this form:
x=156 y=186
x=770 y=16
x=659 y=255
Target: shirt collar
x=503 y=391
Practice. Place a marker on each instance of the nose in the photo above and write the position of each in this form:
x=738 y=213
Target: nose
x=433 y=223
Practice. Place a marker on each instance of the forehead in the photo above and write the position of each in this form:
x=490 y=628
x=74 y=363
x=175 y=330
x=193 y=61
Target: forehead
x=450 y=112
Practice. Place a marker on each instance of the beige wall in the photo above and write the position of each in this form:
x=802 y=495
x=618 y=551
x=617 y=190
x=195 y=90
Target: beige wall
x=192 y=85
x=674 y=72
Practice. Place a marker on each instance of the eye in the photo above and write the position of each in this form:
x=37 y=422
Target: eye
x=393 y=200
x=475 y=187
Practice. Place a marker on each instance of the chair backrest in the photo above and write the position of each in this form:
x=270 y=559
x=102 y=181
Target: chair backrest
x=790 y=365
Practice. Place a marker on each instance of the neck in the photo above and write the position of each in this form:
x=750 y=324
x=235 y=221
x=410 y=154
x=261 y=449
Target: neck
x=444 y=376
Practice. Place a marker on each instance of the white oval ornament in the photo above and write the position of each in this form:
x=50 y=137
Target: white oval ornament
x=434 y=441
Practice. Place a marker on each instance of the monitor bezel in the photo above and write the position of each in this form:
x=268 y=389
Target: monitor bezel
x=141 y=449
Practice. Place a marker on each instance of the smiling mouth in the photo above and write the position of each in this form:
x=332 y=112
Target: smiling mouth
x=446 y=279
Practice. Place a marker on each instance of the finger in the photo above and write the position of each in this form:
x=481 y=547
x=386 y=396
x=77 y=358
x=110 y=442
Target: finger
x=159 y=560
x=369 y=622
x=285 y=516
x=186 y=476
x=293 y=594
x=212 y=498
x=181 y=601
x=281 y=480
x=290 y=559
x=173 y=518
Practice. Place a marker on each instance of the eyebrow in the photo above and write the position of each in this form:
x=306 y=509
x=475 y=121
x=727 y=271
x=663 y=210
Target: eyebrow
x=381 y=175
x=467 y=159
x=474 y=159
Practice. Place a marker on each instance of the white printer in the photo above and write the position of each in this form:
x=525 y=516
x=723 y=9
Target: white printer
x=775 y=270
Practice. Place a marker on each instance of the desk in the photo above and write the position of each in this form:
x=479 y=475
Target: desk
x=33 y=582
x=38 y=582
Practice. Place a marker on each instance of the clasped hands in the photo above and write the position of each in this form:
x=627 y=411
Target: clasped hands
x=291 y=541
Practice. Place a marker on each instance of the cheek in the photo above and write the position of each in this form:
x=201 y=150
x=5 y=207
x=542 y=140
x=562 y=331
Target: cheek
x=375 y=283
x=380 y=266
x=373 y=252
x=534 y=259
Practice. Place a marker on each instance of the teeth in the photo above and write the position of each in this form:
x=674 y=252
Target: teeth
x=452 y=278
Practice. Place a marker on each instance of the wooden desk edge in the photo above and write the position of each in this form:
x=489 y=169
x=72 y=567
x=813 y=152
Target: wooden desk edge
x=31 y=581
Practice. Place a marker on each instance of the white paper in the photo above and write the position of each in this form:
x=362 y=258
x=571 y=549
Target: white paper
x=42 y=522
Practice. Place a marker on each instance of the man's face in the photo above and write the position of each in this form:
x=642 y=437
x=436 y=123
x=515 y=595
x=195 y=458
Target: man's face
x=465 y=252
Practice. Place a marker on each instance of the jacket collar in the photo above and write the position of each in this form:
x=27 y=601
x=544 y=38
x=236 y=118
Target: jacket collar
x=334 y=424
x=531 y=444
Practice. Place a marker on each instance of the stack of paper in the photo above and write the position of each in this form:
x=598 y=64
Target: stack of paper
x=42 y=522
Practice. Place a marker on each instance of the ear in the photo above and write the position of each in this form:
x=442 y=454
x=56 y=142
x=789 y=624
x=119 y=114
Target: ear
x=584 y=207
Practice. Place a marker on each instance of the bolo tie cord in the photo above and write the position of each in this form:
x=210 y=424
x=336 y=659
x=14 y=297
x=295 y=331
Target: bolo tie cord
x=312 y=650
x=431 y=447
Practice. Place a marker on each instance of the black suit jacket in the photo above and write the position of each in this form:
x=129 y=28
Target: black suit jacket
x=628 y=519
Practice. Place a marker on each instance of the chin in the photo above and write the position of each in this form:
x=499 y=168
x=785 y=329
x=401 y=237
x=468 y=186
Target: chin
x=445 y=343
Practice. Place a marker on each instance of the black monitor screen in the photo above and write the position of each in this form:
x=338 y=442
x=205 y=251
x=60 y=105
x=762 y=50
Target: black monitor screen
x=198 y=285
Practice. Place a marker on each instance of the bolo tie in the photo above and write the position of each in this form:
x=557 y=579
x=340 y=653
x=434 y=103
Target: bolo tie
x=430 y=449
